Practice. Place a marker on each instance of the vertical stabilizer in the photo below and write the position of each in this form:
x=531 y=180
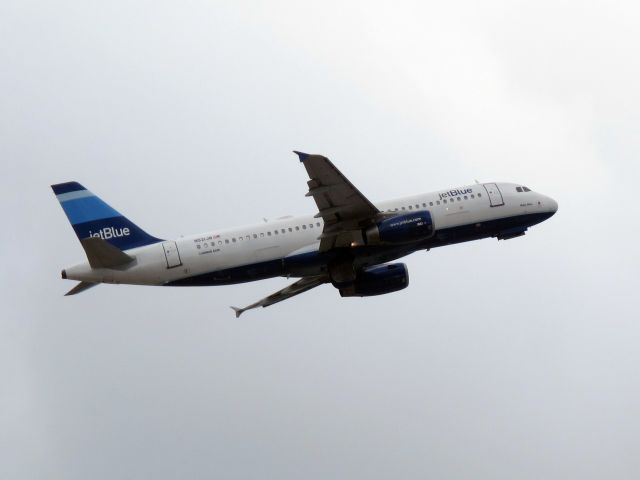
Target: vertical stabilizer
x=91 y=217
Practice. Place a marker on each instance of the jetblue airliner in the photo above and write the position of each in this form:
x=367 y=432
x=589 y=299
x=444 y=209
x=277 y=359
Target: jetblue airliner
x=348 y=243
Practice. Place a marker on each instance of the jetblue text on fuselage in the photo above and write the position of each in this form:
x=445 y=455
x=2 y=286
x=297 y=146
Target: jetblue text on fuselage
x=348 y=242
x=455 y=193
x=418 y=221
x=110 y=232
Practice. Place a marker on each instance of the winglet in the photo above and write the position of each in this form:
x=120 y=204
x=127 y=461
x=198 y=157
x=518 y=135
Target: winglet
x=238 y=311
x=302 y=156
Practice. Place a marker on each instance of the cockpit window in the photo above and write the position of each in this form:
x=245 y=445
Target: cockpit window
x=519 y=189
x=526 y=189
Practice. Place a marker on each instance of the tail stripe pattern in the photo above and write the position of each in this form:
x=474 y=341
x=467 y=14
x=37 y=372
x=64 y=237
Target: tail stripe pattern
x=91 y=217
x=64 y=197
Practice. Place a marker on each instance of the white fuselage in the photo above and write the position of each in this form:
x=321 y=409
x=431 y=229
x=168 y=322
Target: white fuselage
x=291 y=237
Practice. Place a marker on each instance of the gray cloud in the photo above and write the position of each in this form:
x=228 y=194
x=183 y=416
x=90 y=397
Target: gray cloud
x=502 y=360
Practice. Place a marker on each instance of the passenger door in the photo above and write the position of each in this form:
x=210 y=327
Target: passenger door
x=171 y=254
x=495 y=196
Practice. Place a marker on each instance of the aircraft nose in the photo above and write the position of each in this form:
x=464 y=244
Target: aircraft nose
x=553 y=205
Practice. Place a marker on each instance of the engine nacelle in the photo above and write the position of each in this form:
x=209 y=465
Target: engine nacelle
x=378 y=280
x=406 y=228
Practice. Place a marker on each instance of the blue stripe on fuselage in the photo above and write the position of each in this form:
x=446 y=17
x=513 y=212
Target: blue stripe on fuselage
x=296 y=264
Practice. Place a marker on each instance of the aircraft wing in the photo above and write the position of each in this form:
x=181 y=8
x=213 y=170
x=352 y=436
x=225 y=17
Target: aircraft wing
x=301 y=286
x=341 y=205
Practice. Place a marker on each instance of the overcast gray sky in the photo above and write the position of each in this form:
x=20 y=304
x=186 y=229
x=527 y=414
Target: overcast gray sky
x=504 y=360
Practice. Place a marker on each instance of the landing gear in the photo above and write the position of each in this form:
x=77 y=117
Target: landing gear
x=342 y=272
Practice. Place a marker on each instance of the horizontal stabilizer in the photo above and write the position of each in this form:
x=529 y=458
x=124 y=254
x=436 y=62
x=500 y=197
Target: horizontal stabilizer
x=81 y=287
x=101 y=254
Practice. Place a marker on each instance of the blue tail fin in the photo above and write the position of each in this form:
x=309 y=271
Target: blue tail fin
x=91 y=217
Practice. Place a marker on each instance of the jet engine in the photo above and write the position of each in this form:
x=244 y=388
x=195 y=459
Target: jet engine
x=406 y=228
x=378 y=280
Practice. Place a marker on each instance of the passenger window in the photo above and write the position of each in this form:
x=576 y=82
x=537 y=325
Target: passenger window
x=304 y=227
x=410 y=207
x=226 y=240
x=311 y=225
x=466 y=198
x=275 y=232
x=290 y=229
x=317 y=224
x=444 y=201
x=459 y=199
x=437 y=202
x=403 y=208
x=479 y=195
x=424 y=205
x=262 y=234
x=519 y=189
x=282 y=230
x=255 y=236
x=472 y=196
x=268 y=234
x=297 y=228
x=431 y=204
x=233 y=239
x=417 y=206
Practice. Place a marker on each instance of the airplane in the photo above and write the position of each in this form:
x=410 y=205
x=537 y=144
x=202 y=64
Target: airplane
x=349 y=243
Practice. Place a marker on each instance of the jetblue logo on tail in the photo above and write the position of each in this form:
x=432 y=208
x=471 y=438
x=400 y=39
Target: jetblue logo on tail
x=111 y=232
x=93 y=218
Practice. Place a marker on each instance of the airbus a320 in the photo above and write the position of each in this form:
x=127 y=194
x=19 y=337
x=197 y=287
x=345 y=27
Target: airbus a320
x=349 y=243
